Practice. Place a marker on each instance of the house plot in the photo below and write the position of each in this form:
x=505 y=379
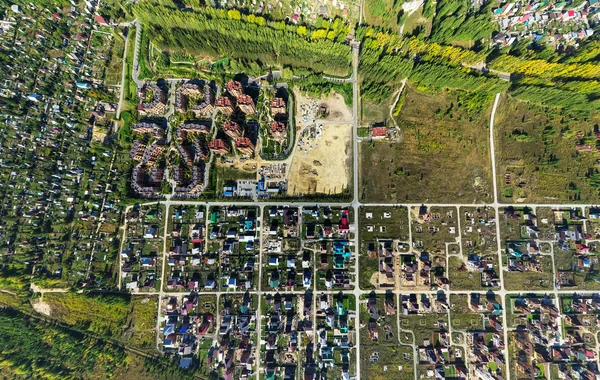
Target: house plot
x=287 y=334
x=575 y=250
x=180 y=322
x=535 y=326
x=435 y=235
x=328 y=233
x=336 y=335
x=475 y=267
x=285 y=265
x=234 y=356
x=188 y=264
x=381 y=351
x=526 y=267
x=384 y=247
x=578 y=353
x=207 y=330
x=476 y=322
x=424 y=324
x=233 y=237
x=141 y=256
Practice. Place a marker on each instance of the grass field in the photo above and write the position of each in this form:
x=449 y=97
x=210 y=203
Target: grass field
x=462 y=280
x=142 y=322
x=444 y=155
x=100 y=314
x=374 y=112
x=390 y=365
x=422 y=325
x=377 y=226
x=113 y=70
x=225 y=174
x=536 y=147
x=462 y=317
x=416 y=22
x=584 y=278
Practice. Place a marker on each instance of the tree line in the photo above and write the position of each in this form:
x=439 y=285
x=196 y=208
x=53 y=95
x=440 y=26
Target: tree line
x=247 y=38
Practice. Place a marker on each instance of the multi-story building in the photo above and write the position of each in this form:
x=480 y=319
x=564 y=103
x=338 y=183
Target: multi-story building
x=245 y=146
x=152 y=128
x=137 y=150
x=232 y=129
x=156 y=175
x=152 y=153
x=195 y=186
x=218 y=146
x=185 y=155
x=182 y=131
x=183 y=95
x=138 y=178
x=191 y=97
x=278 y=131
x=153 y=99
x=200 y=149
x=277 y=106
x=224 y=105
x=235 y=88
x=246 y=104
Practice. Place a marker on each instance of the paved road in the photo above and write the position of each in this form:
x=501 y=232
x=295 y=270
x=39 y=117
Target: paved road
x=496 y=205
x=122 y=87
x=355 y=203
x=136 y=63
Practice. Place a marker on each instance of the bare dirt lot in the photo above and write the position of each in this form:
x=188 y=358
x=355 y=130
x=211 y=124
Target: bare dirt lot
x=321 y=157
x=325 y=167
x=42 y=307
x=337 y=110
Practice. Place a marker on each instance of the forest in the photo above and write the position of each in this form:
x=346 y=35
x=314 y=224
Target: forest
x=37 y=348
x=43 y=350
x=538 y=75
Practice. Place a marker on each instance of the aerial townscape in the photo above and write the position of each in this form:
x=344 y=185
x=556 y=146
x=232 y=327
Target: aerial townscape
x=294 y=189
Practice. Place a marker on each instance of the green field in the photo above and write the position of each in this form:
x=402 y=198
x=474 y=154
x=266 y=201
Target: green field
x=536 y=147
x=443 y=156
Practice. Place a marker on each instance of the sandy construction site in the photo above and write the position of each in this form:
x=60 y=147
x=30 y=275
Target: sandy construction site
x=321 y=159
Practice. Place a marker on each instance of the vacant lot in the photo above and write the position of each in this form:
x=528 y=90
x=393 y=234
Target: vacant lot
x=321 y=159
x=536 y=155
x=324 y=168
x=444 y=156
x=142 y=322
x=531 y=280
x=387 y=362
x=103 y=314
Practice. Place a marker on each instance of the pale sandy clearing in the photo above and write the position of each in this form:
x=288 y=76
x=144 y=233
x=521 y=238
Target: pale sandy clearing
x=325 y=167
x=42 y=307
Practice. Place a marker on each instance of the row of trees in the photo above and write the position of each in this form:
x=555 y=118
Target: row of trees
x=230 y=33
x=386 y=60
